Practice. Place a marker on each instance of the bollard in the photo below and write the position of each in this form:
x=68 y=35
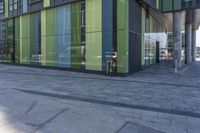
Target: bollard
x=176 y=66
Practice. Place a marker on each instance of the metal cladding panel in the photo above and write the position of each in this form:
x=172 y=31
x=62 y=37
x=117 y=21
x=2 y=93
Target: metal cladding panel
x=107 y=31
x=134 y=36
x=64 y=36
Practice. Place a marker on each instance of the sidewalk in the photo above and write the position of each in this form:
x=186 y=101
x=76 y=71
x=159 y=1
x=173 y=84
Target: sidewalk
x=155 y=97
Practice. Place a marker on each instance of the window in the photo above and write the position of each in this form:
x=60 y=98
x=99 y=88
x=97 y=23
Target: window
x=15 y=4
x=1 y=7
x=83 y=14
x=14 y=7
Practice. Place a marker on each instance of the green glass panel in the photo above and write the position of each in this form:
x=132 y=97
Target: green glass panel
x=9 y=40
x=142 y=37
x=167 y=5
x=93 y=15
x=93 y=51
x=50 y=22
x=17 y=40
x=122 y=36
x=75 y=37
x=50 y=36
x=32 y=34
x=46 y=3
x=177 y=4
x=94 y=35
x=43 y=37
x=122 y=51
x=6 y=8
x=48 y=47
x=151 y=55
x=157 y=4
x=25 y=39
x=122 y=14
x=25 y=51
x=50 y=51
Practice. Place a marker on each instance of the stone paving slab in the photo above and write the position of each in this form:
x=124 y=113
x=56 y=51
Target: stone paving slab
x=25 y=113
x=135 y=128
x=28 y=112
x=163 y=90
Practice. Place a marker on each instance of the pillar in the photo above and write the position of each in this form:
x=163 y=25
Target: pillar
x=177 y=38
x=194 y=45
x=188 y=38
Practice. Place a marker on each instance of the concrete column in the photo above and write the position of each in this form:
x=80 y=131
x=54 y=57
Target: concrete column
x=177 y=38
x=188 y=38
x=194 y=45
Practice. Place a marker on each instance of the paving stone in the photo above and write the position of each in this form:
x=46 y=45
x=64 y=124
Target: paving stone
x=135 y=128
x=152 y=93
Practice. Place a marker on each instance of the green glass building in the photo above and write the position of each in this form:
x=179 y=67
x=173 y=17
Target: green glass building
x=86 y=35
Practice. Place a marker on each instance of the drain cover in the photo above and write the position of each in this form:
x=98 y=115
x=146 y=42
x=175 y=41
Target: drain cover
x=135 y=128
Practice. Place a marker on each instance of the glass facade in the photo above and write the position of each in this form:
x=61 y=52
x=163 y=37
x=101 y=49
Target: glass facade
x=9 y=47
x=154 y=40
x=176 y=5
x=86 y=35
